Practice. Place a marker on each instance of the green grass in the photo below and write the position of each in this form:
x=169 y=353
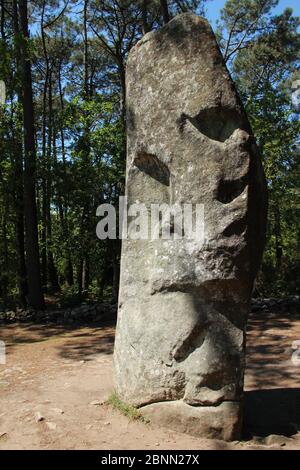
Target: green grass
x=127 y=410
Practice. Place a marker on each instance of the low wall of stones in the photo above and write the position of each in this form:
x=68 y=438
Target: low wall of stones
x=84 y=313
x=289 y=304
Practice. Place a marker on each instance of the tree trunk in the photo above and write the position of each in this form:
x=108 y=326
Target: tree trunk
x=35 y=295
x=165 y=11
x=52 y=272
x=145 y=25
x=122 y=75
x=4 y=255
x=44 y=195
x=115 y=285
x=19 y=187
x=19 y=224
x=44 y=159
x=278 y=237
x=83 y=271
x=79 y=276
x=86 y=275
x=2 y=19
x=69 y=272
x=85 y=52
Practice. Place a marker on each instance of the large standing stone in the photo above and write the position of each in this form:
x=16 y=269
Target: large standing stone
x=183 y=305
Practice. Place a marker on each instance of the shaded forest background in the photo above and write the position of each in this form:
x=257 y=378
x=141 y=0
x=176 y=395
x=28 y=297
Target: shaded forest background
x=63 y=139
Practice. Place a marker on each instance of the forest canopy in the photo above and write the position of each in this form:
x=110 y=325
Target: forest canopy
x=63 y=135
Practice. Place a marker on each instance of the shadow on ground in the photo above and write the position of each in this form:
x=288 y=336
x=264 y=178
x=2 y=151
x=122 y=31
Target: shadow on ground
x=269 y=351
x=272 y=399
x=78 y=341
x=275 y=411
x=83 y=345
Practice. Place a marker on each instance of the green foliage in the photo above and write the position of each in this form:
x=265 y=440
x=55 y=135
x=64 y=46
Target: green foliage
x=69 y=297
x=79 y=98
x=263 y=68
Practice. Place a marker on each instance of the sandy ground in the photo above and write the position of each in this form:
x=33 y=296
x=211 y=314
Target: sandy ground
x=56 y=380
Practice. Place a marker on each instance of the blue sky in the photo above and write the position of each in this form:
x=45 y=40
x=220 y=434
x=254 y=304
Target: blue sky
x=213 y=8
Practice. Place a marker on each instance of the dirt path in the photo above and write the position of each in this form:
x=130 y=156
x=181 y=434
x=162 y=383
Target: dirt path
x=62 y=376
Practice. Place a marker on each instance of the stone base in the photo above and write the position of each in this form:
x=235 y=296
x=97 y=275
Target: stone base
x=218 y=422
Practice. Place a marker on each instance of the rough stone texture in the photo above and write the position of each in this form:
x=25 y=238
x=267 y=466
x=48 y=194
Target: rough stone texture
x=215 y=422
x=183 y=305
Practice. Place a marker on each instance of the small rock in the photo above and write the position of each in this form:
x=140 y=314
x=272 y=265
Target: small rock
x=3 y=434
x=50 y=425
x=96 y=403
x=275 y=439
x=38 y=417
x=106 y=423
x=58 y=411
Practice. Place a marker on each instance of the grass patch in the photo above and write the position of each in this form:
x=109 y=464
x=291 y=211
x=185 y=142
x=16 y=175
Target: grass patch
x=127 y=410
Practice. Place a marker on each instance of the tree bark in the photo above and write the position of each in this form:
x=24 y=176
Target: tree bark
x=53 y=277
x=145 y=25
x=85 y=52
x=4 y=255
x=19 y=224
x=2 y=19
x=69 y=272
x=278 y=237
x=165 y=11
x=86 y=274
x=19 y=186
x=35 y=295
x=79 y=276
x=122 y=74
x=44 y=158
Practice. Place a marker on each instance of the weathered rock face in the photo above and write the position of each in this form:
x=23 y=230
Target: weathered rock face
x=183 y=304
